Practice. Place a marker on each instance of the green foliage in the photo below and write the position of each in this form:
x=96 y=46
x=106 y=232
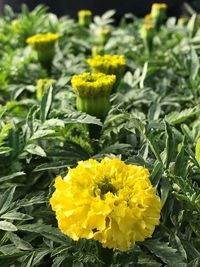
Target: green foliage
x=153 y=122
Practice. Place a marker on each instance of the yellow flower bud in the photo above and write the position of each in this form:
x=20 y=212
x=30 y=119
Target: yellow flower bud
x=93 y=90
x=44 y=45
x=84 y=18
x=158 y=13
x=147 y=33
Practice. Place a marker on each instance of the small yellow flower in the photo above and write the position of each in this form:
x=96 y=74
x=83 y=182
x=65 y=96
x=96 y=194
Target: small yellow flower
x=84 y=17
x=43 y=40
x=108 y=201
x=92 y=84
x=109 y=64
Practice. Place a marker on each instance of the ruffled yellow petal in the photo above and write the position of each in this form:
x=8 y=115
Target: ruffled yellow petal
x=108 y=201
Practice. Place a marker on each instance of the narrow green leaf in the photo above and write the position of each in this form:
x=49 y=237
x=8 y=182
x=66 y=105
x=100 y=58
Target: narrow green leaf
x=7 y=226
x=46 y=104
x=35 y=150
x=169 y=145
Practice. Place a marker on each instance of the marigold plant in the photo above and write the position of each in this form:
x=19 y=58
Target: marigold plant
x=108 y=201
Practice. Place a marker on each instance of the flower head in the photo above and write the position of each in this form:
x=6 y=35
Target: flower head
x=43 y=40
x=108 y=201
x=92 y=84
x=93 y=90
x=109 y=64
x=44 y=44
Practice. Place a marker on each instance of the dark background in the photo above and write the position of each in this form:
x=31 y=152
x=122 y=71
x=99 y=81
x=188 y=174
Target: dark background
x=70 y=7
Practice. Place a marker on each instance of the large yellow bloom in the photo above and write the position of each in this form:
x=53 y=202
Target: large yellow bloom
x=108 y=201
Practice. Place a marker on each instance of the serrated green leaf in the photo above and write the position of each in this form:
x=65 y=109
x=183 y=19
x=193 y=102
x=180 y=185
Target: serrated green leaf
x=179 y=117
x=19 y=243
x=14 y=215
x=166 y=253
x=81 y=117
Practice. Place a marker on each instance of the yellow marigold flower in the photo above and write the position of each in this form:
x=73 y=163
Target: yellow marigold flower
x=108 y=201
x=84 y=17
x=43 y=40
x=109 y=64
x=44 y=44
x=93 y=90
x=91 y=84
